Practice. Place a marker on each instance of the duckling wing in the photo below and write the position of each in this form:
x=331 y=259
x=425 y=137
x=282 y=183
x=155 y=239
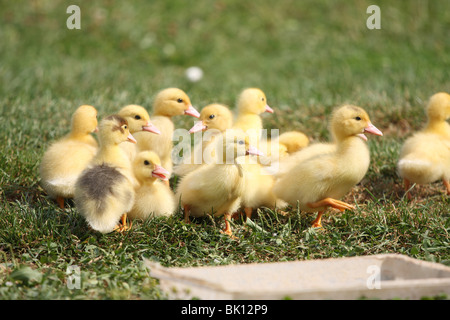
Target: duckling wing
x=309 y=181
x=102 y=195
x=285 y=165
x=62 y=164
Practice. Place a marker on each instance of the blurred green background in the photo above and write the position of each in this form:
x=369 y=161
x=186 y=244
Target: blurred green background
x=301 y=53
x=308 y=56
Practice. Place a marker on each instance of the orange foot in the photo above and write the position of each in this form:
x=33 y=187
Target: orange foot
x=60 y=201
x=329 y=202
x=317 y=223
x=187 y=211
x=248 y=212
x=408 y=188
x=123 y=226
x=227 y=229
x=236 y=215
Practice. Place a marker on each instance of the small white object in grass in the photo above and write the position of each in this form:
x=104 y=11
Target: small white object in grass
x=194 y=74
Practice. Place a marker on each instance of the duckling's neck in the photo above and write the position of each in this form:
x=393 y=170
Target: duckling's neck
x=352 y=146
x=353 y=157
x=231 y=167
x=160 y=113
x=81 y=136
x=227 y=162
x=440 y=127
x=148 y=181
x=251 y=118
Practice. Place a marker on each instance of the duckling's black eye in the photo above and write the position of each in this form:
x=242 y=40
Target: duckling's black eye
x=179 y=100
x=262 y=99
x=241 y=142
x=358 y=118
x=146 y=162
x=212 y=116
x=137 y=117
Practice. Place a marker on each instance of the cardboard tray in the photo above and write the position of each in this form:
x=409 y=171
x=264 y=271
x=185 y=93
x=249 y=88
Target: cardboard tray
x=384 y=276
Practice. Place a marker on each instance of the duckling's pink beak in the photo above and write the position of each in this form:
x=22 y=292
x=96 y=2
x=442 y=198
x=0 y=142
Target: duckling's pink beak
x=370 y=129
x=268 y=109
x=191 y=111
x=131 y=139
x=373 y=130
x=254 y=151
x=95 y=130
x=160 y=173
x=150 y=127
x=199 y=126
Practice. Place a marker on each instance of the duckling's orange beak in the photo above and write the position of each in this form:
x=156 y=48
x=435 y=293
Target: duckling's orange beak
x=191 y=111
x=160 y=173
x=268 y=109
x=254 y=151
x=131 y=139
x=150 y=127
x=199 y=126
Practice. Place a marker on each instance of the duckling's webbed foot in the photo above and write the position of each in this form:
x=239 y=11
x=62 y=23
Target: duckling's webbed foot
x=227 y=229
x=123 y=226
x=317 y=223
x=330 y=202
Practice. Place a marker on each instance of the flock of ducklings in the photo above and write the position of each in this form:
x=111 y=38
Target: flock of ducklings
x=125 y=175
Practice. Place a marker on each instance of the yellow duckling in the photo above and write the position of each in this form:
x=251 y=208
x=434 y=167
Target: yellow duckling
x=66 y=158
x=259 y=175
x=138 y=119
x=168 y=103
x=293 y=141
x=104 y=192
x=252 y=102
x=287 y=143
x=153 y=198
x=329 y=171
x=425 y=157
x=214 y=120
x=216 y=188
x=258 y=190
x=214 y=117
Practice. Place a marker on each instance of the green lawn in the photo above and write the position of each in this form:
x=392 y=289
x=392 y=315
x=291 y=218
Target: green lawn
x=308 y=56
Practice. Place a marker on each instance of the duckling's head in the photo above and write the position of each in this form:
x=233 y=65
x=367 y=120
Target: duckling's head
x=214 y=116
x=253 y=101
x=138 y=119
x=173 y=102
x=350 y=121
x=438 y=108
x=234 y=145
x=293 y=141
x=147 y=166
x=114 y=130
x=84 y=120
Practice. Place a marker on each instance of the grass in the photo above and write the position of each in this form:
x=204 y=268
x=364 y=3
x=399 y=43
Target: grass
x=308 y=57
